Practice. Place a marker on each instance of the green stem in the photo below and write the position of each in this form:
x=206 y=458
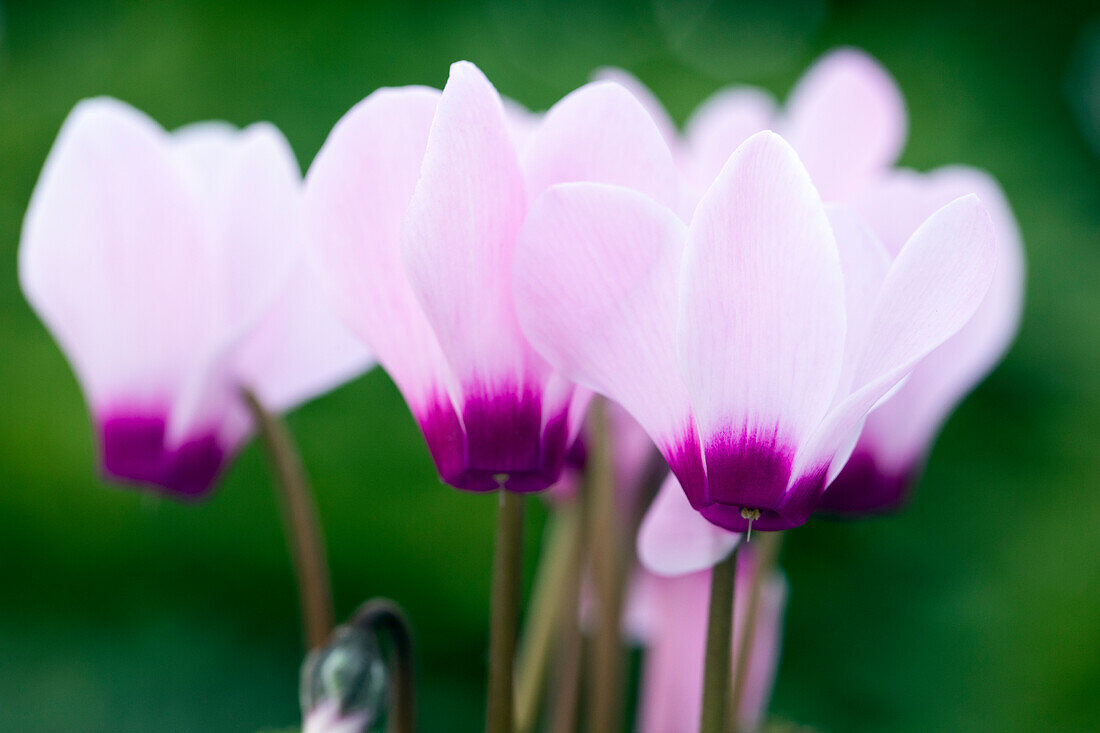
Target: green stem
x=507 y=570
x=383 y=614
x=765 y=550
x=606 y=560
x=303 y=530
x=716 y=665
x=546 y=614
x=570 y=653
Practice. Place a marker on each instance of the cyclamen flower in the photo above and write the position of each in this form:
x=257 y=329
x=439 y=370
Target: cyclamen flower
x=415 y=202
x=845 y=118
x=898 y=434
x=672 y=673
x=169 y=269
x=752 y=344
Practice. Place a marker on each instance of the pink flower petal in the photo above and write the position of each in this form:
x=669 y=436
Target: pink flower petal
x=113 y=248
x=459 y=238
x=933 y=288
x=846 y=118
x=601 y=134
x=357 y=192
x=898 y=433
x=595 y=288
x=865 y=263
x=719 y=125
x=761 y=326
x=646 y=98
x=674 y=539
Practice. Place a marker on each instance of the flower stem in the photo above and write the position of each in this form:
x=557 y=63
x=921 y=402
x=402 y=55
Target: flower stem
x=382 y=614
x=717 y=662
x=765 y=551
x=606 y=560
x=568 y=662
x=303 y=530
x=546 y=616
x=507 y=567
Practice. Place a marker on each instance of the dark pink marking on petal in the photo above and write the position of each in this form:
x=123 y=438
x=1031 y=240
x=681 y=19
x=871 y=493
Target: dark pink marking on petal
x=501 y=437
x=748 y=469
x=685 y=460
x=795 y=508
x=132 y=449
x=864 y=488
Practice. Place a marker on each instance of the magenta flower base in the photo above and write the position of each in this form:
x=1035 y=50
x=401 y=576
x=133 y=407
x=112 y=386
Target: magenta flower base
x=865 y=488
x=499 y=443
x=133 y=449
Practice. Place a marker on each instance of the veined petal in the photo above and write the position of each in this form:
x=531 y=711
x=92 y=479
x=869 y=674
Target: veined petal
x=846 y=118
x=300 y=349
x=899 y=432
x=674 y=539
x=595 y=284
x=116 y=260
x=460 y=234
x=357 y=193
x=719 y=125
x=761 y=321
x=932 y=289
x=600 y=133
x=252 y=198
x=522 y=122
x=864 y=262
x=646 y=98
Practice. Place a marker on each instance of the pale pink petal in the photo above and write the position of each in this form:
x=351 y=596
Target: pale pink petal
x=672 y=675
x=522 y=122
x=900 y=431
x=864 y=262
x=601 y=134
x=846 y=118
x=761 y=326
x=252 y=200
x=115 y=259
x=357 y=193
x=646 y=98
x=932 y=289
x=300 y=349
x=674 y=539
x=595 y=289
x=719 y=125
x=460 y=233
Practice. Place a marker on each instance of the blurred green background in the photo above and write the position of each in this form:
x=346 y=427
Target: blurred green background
x=977 y=609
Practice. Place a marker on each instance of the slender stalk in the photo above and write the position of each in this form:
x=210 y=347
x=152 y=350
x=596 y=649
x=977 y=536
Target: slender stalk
x=606 y=558
x=717 y=662
x=765 y=551
x=382 y=614
x=567 y=687
x=547 y=614
x=303 y=530
x=507 y=571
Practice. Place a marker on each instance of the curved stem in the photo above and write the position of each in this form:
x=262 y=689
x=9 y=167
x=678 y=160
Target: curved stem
x=765 y=551
x=303 y=530
x=716 y=669
x=507 y=571
x=383 y=614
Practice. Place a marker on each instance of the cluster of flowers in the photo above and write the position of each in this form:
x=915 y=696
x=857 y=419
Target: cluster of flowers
x=766 y=299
